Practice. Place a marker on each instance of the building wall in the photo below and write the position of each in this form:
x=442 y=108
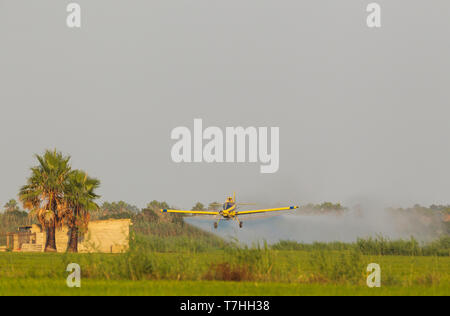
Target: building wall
x=107 y=236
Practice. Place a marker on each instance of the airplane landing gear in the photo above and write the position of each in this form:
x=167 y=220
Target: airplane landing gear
x=239 y=222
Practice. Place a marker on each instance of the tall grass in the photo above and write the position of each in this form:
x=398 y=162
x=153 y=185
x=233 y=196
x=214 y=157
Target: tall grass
x=242 y=263
x=298 y=246
x=181 y=243
x=235 y=263
x=376 y=246
x=259 y=263
x=142 y=262
x=341 y=267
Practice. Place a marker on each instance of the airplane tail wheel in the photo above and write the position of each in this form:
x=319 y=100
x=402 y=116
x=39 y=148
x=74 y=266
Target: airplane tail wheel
x=240 y=224
x=215 y=225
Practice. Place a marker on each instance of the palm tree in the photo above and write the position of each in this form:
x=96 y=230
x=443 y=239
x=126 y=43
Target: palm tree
x=80 y=196
x=43 y=194
x=11 y=206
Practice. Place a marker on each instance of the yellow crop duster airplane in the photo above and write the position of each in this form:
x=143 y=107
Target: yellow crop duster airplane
x=229 y=211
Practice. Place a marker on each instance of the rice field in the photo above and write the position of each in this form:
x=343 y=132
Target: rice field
x=52 y=287
x=259 y=271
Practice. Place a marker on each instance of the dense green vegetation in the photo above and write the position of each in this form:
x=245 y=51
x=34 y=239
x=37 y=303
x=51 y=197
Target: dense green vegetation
x=376 y=246
x=283 y=272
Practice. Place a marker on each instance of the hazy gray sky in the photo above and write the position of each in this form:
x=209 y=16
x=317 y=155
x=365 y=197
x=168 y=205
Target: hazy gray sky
x=363 y=113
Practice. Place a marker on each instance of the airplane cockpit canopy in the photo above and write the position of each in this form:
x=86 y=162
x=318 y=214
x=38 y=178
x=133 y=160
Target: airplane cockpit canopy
x=227 y=205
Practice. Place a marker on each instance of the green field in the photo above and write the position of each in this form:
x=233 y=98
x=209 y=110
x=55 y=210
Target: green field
x=237 y=272
x=200 y=288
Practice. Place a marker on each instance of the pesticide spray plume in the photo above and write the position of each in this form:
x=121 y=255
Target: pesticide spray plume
x=362 y=220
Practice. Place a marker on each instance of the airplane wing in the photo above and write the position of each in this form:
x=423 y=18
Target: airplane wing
x=190 y=212
x=268 y=210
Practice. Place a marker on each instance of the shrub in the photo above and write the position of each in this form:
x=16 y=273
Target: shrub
x=341 y=267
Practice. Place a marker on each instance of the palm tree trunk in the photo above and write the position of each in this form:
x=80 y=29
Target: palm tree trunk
x=73 y=242
x=50 y=243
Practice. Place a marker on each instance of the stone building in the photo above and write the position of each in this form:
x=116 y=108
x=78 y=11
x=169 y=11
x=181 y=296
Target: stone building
x=106 y=236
